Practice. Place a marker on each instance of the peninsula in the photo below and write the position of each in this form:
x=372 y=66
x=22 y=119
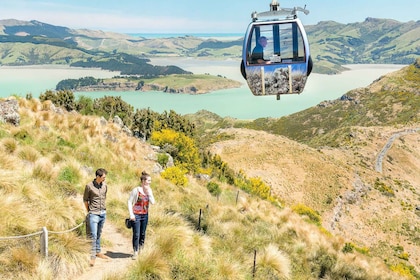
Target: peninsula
x=175 y=83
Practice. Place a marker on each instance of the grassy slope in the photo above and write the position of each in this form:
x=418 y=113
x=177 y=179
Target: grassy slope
x=48 y=158
x=334 y=172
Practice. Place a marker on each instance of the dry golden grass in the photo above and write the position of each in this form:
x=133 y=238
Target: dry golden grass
x=28 y=153
x=10 y=145
x=152 y=263
x=67 y=253
x=9 y=181
x=17 y=217
x=272 y=259
x=326 y=178
x=43 y=168
x=229 y=268
x=223 y=247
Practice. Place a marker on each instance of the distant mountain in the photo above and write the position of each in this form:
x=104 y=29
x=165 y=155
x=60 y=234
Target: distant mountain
x=380 y=41
x=34 y=42
x=332 y=44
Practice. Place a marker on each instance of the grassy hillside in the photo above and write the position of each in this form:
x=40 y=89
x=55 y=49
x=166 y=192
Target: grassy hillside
x=50 y=156
x=332 y=44
x=392 y=100
x=332 y=166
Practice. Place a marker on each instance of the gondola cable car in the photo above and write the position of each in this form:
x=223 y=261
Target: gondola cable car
x=275 y=54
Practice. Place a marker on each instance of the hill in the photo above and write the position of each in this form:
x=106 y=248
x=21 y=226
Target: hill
x=334 y=217
x=380 y=41
x=355 y=160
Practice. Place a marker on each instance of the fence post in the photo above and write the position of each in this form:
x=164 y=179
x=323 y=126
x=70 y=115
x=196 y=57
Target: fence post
x=237 y=196
x=199 y=221
x=44 y=242
x=255 y=262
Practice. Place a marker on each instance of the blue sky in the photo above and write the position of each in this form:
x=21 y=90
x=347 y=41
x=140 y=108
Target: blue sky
x=191 y=16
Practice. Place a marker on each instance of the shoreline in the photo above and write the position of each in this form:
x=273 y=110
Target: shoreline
x=185 y=60
x=320 y=87
x=53 y=66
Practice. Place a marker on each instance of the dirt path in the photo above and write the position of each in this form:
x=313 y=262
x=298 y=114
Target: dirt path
x=118 y=248
x=382 y=153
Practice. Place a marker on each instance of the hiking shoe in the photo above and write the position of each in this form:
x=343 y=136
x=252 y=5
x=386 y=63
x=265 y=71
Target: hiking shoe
x=134 y=257
x=92 y=262
x=102 y=256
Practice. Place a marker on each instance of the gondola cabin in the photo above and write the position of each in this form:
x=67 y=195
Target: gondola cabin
x=276 y=58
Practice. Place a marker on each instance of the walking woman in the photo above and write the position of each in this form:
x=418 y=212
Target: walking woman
x=138 y=207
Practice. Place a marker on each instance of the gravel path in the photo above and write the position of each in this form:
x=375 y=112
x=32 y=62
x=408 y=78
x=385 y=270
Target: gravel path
x=118 y=248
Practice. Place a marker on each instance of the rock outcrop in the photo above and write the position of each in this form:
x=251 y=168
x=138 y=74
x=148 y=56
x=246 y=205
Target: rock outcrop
x=9 y=111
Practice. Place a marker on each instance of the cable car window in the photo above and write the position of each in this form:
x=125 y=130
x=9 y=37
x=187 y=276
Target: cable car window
x=291 y=43
x=276 y=43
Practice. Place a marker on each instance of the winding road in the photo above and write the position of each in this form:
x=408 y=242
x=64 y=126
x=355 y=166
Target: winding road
x=382 y=153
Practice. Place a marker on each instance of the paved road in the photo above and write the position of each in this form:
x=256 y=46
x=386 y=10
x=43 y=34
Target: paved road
x=382 y=153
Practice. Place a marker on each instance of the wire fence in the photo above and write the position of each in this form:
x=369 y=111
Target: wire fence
x=43 y=237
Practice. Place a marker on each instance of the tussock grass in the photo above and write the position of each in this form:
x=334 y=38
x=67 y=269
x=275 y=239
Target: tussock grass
x=44 y=271
x=67 y=254
x=229 y=268
x=17 y=218
x=43 y=187
x=28 y=153
x=43 y=169
x=151 y=264
x=275 y=262
x=8 y=182
x=10 y=145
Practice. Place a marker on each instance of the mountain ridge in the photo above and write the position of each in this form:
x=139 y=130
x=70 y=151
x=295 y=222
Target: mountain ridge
x=332 y=44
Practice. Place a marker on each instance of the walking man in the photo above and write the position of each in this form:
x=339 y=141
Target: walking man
x=94 y=199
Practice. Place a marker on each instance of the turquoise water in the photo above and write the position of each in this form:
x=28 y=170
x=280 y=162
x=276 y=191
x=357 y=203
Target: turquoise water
x=237 y=103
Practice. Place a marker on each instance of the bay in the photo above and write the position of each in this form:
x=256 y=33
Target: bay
x=237 y=103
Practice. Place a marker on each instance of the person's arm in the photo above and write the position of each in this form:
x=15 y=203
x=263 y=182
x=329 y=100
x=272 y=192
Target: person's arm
x=150 y=194
x=86 y=199
x=86 y=206
x=130 y=201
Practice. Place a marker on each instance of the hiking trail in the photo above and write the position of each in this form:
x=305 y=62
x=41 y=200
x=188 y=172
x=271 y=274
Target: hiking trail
x=118 y=248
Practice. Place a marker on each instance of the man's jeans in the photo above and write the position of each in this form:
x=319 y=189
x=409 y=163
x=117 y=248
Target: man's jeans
x=96 y=224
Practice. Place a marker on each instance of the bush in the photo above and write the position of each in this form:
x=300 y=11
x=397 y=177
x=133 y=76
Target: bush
x=181 y=147
x=62 y=98
x=176 y=175
x=163 y=159
x=111 y=106
x=348 y=248
x=304 y=210
x=69 y=174
x=214 y=188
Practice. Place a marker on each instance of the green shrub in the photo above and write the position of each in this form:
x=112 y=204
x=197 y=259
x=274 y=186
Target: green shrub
x=61 y=98
x=214 y=188
x=383 y=188
x=348 y=248
x=69 y=174
x=162 y=159
x=84 y=105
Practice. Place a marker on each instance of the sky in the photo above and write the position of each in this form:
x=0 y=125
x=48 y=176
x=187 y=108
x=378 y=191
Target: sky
x=190 y=16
